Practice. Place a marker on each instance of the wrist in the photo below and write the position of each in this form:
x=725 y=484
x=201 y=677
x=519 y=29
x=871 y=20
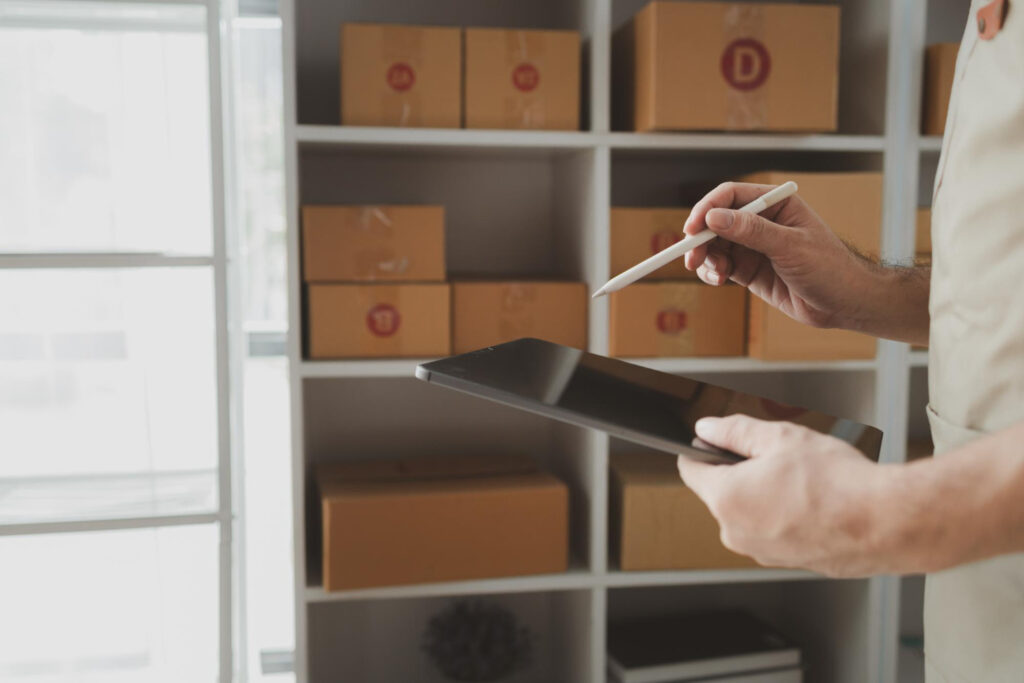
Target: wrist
x=866 y=286
x=891 y=302
x=906 y=527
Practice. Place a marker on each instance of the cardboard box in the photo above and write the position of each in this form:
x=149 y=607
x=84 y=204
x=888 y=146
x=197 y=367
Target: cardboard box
x=363 y=321
x=637 y=234
x=773 y=335
x=372 y=243
x=440 y=519
x=851 y=205
x=522 y=79
x=489 y=313
x=923 y=232
x=677 y=319
x=939 y=71
x=656 y=522
x=397 y=75
x=728 y=66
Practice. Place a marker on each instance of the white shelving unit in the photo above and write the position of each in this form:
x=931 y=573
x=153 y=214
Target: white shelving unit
x=532 y=202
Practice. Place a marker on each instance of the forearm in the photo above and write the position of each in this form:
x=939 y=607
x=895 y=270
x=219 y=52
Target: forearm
x=964 y=506
x=893 y=303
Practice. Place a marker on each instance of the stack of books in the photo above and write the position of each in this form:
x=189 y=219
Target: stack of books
x=724 y=647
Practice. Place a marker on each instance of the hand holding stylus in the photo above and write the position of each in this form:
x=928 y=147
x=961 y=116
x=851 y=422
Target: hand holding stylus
x=694 y=240
x=785 y=255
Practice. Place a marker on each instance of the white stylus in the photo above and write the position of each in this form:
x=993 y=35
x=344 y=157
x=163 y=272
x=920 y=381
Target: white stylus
x=664 y=256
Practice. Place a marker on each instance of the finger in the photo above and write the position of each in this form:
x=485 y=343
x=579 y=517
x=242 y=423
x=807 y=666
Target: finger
x=728 y=196
x=720 y=262
x=702 y=478
x=740 y=434
x=709 y=276
x=695 y=257
x=750 y=230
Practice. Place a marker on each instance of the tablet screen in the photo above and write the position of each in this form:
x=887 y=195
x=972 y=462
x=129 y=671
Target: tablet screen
x=645 y=406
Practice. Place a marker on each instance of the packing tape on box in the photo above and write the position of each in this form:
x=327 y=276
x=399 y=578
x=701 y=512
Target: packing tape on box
x=673 y=321
x=525 y=58
x=372 y=260
x=746 y=67
x=400 y=101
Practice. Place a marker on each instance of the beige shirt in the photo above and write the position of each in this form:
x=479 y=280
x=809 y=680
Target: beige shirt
x=974 y=614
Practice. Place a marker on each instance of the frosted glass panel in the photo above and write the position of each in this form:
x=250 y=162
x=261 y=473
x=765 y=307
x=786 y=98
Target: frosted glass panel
x=111 y=607
x=108 y=374
x=104 y=129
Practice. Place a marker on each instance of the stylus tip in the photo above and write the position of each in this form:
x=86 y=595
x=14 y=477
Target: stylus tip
x=598 y=293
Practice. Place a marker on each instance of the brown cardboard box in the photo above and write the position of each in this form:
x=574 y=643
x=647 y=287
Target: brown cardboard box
x=440 y=519
x=851 y=205
x=522 y=79
x=362 y=321
x=677 y=319
x=773 y=335
x=939 y=69
x=489 y=313
x=637 y=234
x=368 y=243
x=728 y=66
x=658 y=523
x=923 y=232
x=397 y=75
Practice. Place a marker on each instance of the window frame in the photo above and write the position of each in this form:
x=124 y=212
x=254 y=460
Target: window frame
x=229 y=339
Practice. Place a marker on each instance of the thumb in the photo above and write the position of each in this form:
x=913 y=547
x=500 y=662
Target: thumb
x=741 y=434
x=748 y=229
x=700 y=477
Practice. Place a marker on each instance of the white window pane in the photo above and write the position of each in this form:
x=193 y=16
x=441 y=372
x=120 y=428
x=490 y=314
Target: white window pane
x=259 y=130
x=109 y=374
x=267 y=515
x=104 y=131
x=111 y=607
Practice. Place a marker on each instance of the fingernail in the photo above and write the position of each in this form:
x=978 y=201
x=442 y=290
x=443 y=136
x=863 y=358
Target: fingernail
x=719 y=218
x=706 y=425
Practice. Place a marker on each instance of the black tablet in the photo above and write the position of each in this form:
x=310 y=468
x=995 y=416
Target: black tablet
x=647 y=407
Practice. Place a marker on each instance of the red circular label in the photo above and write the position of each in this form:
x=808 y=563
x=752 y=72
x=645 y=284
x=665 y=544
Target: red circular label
x=525 y=77
x=671 y=321
x=746 y=64
x=383 y=320
x=400 y=76
x=781 y=411
x=663 y=240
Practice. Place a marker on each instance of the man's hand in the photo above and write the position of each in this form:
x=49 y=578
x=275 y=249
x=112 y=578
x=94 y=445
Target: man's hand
x=788 y=257
x=803 y=499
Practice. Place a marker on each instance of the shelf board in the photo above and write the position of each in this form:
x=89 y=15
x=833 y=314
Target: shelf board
x=456 y=139
x=918 y=359
x=697 y=365
x=744 y=142
x=406 y=367
x=443 y=139
x=690 y=577
x=574 y=579
x=369 y=367
x=930 y=143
